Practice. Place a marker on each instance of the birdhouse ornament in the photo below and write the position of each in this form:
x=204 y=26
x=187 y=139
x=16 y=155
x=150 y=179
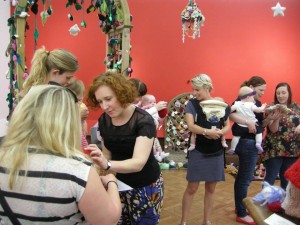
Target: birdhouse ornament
x=192 y=19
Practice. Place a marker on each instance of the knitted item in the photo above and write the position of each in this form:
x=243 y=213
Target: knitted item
x=293 y=174
x=213 y=109
x=163 y=113
x=275 y=207
x=291 y=203
x=278 y=107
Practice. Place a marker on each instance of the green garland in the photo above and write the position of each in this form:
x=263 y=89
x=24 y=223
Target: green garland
x=110 y=17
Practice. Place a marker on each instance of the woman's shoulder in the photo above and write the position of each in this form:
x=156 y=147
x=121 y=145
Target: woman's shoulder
x=103 y=117
x=295 y=105
x=142 y=114
x=258 y=103
x=193 y=103
x=143 y=123
x=73 y=165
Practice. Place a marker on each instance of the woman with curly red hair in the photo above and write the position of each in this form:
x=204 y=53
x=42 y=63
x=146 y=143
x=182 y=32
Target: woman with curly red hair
x=128 y=133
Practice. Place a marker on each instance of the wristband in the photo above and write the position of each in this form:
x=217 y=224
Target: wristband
x=205 y=132
x=112 y=181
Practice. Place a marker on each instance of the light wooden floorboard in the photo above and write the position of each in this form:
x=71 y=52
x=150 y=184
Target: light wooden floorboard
x=223 y=213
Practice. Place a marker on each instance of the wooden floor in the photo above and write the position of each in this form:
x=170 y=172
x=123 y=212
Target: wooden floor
x=175 y=184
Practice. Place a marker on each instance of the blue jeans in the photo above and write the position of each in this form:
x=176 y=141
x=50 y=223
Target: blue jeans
x=247 y=153
x=278 y=165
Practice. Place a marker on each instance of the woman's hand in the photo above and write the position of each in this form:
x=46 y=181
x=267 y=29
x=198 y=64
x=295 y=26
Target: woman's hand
x=251 y=126
x=274 y=121
x=107 y=178
x=97 y=156
x=214 y=133
x=276 y=115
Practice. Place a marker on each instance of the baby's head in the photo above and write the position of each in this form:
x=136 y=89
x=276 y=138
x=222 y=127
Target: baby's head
x=148 y=100
x=246 y=94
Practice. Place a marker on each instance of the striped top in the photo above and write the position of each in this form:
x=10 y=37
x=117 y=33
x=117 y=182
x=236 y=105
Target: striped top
x=49 y=194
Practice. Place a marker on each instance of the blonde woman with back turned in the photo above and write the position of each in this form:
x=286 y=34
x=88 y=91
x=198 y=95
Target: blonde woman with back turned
x=42 y=166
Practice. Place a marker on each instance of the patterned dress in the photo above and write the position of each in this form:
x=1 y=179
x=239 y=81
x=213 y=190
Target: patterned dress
x=284 y=142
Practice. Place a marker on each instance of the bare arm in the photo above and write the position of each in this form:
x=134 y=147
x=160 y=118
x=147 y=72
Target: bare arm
x=226 y=127
x=272 y=121
x=233 y=108
x=274 y=125
x=97 y=203
x=141 y=152
x=260 y=109
x=241 y=120
x=212 y=133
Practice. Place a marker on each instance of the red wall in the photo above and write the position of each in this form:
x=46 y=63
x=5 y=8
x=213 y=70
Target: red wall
x=239 y=39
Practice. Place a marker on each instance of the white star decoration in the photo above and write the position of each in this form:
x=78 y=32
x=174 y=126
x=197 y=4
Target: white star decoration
x=278 y=10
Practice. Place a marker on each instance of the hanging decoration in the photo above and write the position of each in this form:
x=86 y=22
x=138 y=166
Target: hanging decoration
x=192 y=19
x=83 y=23
x=34 y=9
x=278 y=10
x=15 y=61
x=46 y=13
x=110 y=15
x=74 y=30
x=11 y=51
x=114 y=19
x=117 y=28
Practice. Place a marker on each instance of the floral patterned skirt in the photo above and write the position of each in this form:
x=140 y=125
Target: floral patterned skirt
x=142 y=205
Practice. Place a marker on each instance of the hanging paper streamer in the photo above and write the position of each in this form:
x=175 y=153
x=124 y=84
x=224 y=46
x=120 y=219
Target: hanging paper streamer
x=192 y=19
